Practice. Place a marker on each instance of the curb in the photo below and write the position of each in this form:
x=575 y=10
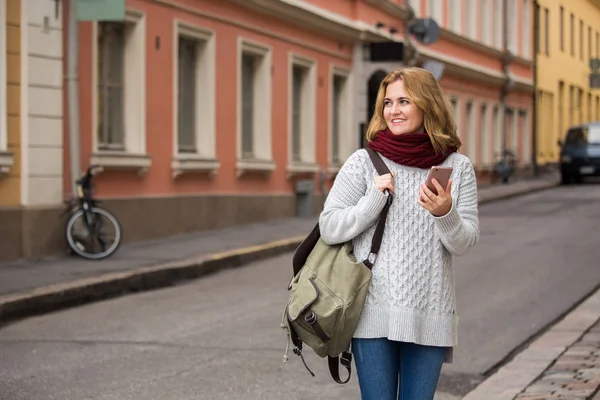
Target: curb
x=514 y=377
x=63 y=295
x=59 y=296
x=505 y=196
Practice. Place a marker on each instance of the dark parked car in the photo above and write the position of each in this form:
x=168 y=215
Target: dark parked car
x=580 y=153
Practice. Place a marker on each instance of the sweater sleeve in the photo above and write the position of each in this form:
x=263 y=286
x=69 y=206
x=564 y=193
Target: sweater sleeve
x=352 y=205
x=459 y=229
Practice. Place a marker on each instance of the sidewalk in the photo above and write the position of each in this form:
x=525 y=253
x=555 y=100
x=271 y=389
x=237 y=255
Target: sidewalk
x=563 y=363
x=31 y=287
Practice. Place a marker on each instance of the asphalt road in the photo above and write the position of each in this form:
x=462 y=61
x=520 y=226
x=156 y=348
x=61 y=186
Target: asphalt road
x=219 y=337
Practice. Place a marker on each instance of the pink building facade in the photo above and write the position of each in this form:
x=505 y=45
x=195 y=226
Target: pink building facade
x=207 y=114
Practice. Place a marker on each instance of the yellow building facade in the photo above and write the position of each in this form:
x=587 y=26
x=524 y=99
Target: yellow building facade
x=568 y=37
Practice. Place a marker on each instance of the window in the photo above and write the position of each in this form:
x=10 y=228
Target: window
x=546 y=31
x=561 y=111
x=572 y=32
x=485 y=133
x=340 y=125
x=456 y=109
x=119 y=103
x=194 y=100
x=590 y=55
x=571 y=109
x=254 y=108
x=583 y=136
x=580 y=104
x=562 y=28
x=299 y=76
x=497 y=129
x=525 y=134
x=589 y=107
x=509 y=131
x=469 y=137
x=302 y=114
x=111 y=66
x=581 y=39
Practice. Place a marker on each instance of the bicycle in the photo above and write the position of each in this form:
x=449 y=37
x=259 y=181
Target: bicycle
x=86 y=227
x=504 y=166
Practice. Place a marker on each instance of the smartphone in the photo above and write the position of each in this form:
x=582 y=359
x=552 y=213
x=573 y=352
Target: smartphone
x=441 y=174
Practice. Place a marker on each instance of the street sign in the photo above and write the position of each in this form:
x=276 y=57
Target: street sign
x=435 y=67
x=100 y=10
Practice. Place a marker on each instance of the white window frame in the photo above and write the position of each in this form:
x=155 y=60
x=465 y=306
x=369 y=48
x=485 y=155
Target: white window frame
x=497 y=115
x=6 y=158
x=262 y=138
x=485 y=12
x=457 y=113
x=416 y=5
x=435 y=11
x=345 y=136
x=134 y=155
x=205 y=156
x=471 y=150
x=526 y=30
x=512 y=26
x=456 y=9
x=499 y=25
x=485 y=133
x=472 y=16
x=308 y=134
x=524 y=119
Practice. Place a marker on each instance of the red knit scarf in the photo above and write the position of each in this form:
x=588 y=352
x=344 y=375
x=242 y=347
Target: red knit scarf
x=410 y=149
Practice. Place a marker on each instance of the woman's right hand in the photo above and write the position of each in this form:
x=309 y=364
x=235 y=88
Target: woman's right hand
x=383 y=182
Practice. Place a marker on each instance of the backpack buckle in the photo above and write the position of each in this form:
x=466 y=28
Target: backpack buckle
x=374 y=255
x=310 y=318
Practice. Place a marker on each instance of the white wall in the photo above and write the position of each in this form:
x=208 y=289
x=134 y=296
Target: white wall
x=45 y=102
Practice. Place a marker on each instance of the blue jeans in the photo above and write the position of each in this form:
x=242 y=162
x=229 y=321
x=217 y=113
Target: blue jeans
x=389 y=370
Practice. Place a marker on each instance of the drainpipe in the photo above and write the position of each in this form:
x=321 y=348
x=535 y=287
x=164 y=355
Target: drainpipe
x=409 y=47
x=536 y=50
x=506 y=61
x=73 y=100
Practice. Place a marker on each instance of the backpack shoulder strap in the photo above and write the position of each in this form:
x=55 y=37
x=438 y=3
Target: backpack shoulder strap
x=378 y=236
x=380 y=166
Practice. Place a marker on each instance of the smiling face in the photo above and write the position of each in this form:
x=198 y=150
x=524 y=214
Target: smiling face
x=401 y=115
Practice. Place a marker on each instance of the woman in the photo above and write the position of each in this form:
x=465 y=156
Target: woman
x=408 y=326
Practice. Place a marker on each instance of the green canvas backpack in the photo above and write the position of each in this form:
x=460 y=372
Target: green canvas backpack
x=327 y=293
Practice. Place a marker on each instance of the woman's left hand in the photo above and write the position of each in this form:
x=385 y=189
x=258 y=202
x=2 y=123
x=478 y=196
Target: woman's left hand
x=437 y=204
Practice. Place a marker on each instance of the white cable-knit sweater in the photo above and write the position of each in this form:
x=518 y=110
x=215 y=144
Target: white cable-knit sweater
x=411 y=297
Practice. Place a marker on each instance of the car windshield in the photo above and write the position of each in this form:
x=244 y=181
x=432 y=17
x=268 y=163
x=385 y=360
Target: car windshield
x=583 y=136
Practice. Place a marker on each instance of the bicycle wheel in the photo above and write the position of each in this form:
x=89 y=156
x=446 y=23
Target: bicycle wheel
x=95 y=236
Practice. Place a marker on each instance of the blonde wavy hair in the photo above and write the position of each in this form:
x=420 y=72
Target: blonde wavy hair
x=425 y=92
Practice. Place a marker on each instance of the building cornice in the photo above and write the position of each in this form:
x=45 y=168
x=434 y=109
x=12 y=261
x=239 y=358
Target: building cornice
x=459 y=67
x=393 y=9
x=318 y=19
